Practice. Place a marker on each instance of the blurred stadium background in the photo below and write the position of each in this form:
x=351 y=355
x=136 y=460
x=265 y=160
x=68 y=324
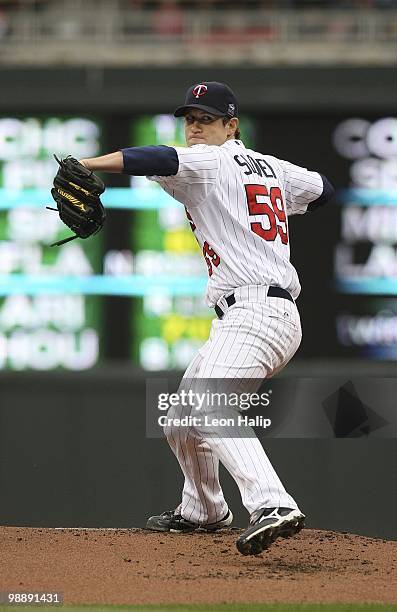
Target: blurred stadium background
x=83 y=326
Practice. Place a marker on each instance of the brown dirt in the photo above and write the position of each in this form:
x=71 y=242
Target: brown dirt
x=136 y=566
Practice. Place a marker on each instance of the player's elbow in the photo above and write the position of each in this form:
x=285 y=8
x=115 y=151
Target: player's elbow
x=326 y=196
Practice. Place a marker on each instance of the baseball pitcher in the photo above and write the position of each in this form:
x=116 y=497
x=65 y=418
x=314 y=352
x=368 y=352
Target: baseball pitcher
x=238 y=202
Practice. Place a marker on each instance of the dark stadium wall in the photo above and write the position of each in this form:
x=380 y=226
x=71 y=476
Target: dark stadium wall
x=74 y=453
x=312 y=89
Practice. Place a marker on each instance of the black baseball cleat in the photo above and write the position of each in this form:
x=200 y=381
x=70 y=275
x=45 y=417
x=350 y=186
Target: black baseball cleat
x=266 y=525
x=175 y=523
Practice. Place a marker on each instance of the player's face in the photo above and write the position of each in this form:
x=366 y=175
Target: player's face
x=203 y=128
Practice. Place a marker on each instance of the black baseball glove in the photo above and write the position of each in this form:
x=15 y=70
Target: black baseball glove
x=76 y=192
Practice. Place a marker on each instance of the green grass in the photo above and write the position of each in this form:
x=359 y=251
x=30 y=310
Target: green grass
x=370 y=607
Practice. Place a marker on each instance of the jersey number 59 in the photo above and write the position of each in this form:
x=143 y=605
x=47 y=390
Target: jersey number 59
x=274 y=211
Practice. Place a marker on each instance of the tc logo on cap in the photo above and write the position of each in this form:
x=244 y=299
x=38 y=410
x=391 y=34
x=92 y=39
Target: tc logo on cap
x=200 y=90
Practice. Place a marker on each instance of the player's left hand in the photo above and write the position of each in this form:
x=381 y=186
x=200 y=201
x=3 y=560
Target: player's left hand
x=76 y=192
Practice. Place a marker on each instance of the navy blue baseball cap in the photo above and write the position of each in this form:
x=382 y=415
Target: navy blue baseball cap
x=215 y=98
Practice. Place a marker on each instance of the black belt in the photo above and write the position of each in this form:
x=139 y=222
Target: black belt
x=271 y=292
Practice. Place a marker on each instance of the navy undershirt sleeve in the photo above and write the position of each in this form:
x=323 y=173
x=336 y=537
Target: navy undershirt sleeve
x=328 y=192
x=153 y=160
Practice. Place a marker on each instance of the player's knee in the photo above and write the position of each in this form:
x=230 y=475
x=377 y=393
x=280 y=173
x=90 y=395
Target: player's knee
x=176 y=434
x=176 y=426
x=170 y=423
x=168 y=431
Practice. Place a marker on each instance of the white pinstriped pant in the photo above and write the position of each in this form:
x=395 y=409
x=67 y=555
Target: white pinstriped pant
x=255 y=339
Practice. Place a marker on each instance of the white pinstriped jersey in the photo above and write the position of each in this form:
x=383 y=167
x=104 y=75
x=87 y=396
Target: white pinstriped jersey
x=238 y=202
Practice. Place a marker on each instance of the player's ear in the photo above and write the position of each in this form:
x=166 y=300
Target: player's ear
x=232 y=126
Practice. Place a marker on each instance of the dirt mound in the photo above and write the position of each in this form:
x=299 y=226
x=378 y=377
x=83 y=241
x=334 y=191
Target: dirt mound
x=136 y=566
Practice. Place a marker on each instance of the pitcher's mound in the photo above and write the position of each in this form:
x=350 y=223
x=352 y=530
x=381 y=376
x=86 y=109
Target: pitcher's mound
x=137 y=566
